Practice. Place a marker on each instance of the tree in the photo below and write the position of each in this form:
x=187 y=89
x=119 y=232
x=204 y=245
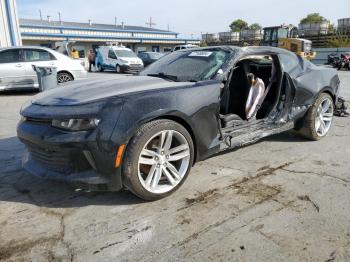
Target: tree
x=313 y=18
x=255 y=26
x=238 y=25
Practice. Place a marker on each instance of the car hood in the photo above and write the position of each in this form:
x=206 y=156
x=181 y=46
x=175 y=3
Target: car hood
x=87 y=91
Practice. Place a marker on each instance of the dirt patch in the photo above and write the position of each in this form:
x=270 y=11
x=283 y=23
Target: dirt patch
x=202 y=197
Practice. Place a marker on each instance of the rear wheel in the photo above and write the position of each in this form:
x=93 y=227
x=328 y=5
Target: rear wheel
x=99 y=68
x=158 y=159
x=319 y=118
x=64 y=77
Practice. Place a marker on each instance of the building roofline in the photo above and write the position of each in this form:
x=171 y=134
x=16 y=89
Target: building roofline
x=26 y=24
x=105 y=37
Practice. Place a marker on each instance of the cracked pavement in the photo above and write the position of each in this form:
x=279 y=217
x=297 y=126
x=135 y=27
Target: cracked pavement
x=281 y=199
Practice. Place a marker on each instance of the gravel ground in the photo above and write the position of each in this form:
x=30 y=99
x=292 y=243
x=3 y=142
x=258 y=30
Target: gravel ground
x=282 y=199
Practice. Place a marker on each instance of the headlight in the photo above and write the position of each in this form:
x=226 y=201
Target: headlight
x=124 y=61
x=76 y=124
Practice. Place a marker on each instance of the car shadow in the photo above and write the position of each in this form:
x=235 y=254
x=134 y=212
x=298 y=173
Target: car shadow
x=17 y=185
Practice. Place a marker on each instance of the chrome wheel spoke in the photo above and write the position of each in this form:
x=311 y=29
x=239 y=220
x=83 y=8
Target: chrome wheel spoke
x=322 y=127
x=325 y=107
x=169 y=176
x=178 y=149
x=150 y=175
x=174 y=172
x=157 y=176
x=147 y=152
x=179 y=156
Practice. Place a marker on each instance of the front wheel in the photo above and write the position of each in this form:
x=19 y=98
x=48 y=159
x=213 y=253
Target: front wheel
x=118 y=69
x=158 y=159
x=319 y=118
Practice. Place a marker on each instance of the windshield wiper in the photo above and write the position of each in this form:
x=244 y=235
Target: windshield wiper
x=164 y=76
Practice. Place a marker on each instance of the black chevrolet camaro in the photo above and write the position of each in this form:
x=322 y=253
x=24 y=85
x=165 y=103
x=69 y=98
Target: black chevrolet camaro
x=145 y=132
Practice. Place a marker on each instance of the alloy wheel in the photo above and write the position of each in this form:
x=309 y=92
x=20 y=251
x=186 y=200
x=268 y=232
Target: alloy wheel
x=62 y=78
x=164 y=161
x=324 y=117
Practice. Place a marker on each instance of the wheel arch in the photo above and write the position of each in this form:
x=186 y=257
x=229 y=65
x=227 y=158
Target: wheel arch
x=327 y=90
x=181 y=121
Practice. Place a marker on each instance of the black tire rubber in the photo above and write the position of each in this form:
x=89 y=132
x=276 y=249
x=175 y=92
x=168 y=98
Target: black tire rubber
x=308 y=129
x=64 y=73
x=99 y=68
x=133 y=150
x=120 y=69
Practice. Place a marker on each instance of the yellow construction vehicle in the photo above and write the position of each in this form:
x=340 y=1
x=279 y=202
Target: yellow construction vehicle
x=286 y=37
x=301 y=47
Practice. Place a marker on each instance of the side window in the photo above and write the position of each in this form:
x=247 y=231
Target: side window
x=111 y=54
x=289 y=61
x=10 y=56
x=32 y=55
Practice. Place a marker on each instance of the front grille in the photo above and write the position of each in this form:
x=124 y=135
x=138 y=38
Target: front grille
x=58 y=161
x=38 y=120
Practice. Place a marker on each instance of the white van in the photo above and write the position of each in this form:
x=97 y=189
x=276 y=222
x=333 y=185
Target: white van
x=119 y=59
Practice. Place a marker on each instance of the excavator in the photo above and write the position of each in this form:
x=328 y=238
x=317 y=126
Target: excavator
x=286 y=37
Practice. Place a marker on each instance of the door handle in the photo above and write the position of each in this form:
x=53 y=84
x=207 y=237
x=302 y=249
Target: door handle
x=18 y=65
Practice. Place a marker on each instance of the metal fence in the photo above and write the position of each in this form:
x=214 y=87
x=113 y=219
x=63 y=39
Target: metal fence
x=322 y=54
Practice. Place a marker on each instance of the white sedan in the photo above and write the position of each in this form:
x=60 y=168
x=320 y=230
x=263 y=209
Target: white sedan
x=16 y=71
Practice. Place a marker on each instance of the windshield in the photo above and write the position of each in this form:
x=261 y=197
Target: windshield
x=155 y=55
x=125 y=53
x=189 y=65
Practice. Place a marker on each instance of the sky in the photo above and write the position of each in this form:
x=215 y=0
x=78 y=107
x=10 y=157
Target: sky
x=190 y=18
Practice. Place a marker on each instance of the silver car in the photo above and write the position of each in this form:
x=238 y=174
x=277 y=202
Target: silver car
x=16 y=71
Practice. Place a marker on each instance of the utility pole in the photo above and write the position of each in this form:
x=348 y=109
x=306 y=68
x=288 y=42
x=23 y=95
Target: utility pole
x=41 y=16
x=150 y=23
x=115 y=21
x=59 y=18
x=168 y=28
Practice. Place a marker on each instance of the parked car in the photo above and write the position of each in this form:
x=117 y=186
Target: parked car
x=119 y=59
x=16 y=71
x=149 y=57
x=182 y=47
x=144 y=133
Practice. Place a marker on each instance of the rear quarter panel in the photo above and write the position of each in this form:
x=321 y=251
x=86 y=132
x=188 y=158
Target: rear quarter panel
x=314 y=80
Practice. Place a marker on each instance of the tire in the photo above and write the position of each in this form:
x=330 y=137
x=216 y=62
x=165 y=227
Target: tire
x=141 y=179
x=118 y=69
x=99 y=68
x=64 y=77
x=312 y=118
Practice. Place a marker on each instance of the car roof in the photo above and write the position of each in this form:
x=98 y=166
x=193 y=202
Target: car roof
x=25 y=47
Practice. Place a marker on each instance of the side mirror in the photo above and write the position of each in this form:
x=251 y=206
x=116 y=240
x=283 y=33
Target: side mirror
x=221 y=76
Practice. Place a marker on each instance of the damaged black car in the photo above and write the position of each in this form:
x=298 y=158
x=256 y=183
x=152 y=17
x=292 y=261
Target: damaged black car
x=144 y=133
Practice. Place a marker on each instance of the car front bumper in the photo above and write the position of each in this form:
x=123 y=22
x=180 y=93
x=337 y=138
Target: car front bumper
x=130 y=68
x=73 y=157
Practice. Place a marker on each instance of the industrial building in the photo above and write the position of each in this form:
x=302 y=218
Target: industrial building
x=91 y=35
